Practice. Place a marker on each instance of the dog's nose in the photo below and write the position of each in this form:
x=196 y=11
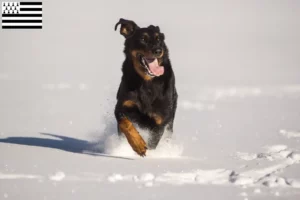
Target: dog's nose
x=157 y=52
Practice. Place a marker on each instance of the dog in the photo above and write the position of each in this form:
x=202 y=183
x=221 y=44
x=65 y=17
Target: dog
x=147 y=94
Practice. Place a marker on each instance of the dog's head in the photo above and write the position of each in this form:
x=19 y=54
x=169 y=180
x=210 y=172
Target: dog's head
x=145 y=46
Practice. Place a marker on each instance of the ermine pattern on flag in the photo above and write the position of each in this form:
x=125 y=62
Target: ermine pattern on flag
x=22 y=15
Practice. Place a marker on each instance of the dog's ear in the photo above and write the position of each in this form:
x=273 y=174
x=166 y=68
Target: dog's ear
x=162 y=36
x=128 y=27
x=156 y=28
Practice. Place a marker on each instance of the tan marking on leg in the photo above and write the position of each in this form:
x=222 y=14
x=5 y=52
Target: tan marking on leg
x=133 y=137
x=157 y=118
x=129 y=103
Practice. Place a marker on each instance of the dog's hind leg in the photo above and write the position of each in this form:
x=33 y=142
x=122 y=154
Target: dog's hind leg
x=168 y=132
x=155 y=136
x=169 y=127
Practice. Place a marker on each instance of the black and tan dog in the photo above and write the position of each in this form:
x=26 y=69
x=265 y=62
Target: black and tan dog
x=147 y=95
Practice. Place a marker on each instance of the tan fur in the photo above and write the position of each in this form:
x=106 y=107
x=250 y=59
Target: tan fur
x=129 y=103
x=157 y=118
x=124 y=30
x=134 y=138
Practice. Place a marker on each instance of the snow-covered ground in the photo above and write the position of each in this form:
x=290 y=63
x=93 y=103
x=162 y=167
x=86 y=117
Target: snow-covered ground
x=236 y=132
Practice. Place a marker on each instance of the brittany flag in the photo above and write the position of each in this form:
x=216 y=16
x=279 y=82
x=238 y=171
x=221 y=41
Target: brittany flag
x=22 y=15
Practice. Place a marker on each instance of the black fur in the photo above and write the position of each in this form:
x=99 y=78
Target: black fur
x=157 y=95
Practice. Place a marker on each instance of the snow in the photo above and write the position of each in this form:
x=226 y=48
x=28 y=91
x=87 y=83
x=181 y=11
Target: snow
x=211 y=149
x=58 y=176
x=236 y=132
x=290 y=134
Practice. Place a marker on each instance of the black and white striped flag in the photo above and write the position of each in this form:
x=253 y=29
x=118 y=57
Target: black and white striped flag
x=22 y=15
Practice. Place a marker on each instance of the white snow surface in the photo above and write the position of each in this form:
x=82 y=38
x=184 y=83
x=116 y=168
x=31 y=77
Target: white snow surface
x=237 y=126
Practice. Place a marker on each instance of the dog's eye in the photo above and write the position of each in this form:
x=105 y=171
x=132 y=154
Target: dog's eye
x=144 y=39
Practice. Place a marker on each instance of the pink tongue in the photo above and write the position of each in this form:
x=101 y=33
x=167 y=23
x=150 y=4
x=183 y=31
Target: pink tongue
x=155 y=68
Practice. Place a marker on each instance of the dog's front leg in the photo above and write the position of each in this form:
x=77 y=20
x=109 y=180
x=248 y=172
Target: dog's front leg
x=127 y=128
x=134 y=138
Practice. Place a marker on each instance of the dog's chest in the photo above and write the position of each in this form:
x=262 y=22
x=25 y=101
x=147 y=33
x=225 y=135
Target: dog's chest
x=151 y=97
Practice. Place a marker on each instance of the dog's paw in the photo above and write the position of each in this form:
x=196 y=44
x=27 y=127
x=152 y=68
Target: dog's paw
x=137 y=143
